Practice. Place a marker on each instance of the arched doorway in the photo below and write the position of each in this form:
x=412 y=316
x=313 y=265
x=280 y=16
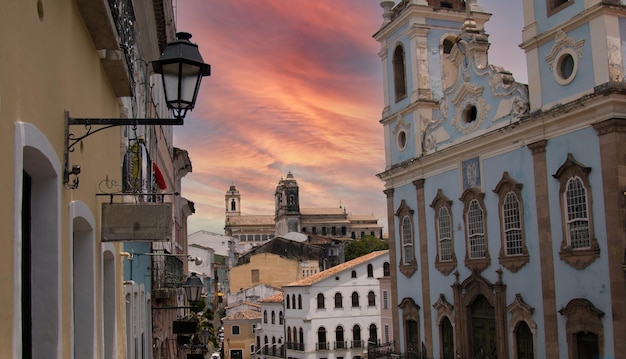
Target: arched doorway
x=483 y=329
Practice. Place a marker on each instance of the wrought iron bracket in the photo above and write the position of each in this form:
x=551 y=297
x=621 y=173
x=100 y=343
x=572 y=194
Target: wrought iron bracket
x=72 y=140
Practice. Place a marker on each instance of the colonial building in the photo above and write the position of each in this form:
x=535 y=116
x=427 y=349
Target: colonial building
x=337 y=312
x=506 y=202
x=289 y=217
x=67 y=288
x=270 y=333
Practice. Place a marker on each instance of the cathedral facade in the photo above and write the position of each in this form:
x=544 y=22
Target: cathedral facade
x=289 y=217
x=506 y=202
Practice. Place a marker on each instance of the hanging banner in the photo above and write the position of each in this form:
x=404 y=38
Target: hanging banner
x=140 y=222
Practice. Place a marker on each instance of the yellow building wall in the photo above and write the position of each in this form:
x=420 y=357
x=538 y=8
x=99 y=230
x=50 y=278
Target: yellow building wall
x=273 y=270
x=243 y=341
x=48 y=64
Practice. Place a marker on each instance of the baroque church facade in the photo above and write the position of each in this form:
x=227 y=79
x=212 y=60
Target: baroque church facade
x=505 y=201
x=289 y=217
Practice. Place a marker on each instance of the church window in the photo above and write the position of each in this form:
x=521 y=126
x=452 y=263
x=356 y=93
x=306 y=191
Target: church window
x=265 y=317
x=555 y=6
x=233 y=205
x=513 y=251
x=477 y=250
x=445 y=234
x=476 y=230
x=386 y=269
x=291 y=199
x=370 y=270
x=399 y=73
x=445 y=261
x=408 y=266
x=373 y=334
x=448 y=44
x=524 y=341
x=407 y=240
x=320 y=301
x=288 y=302
x=402 y=140
x=470 y=113
x=353 y=274
x=579 y=246
x=273 y=317
x=299 y=301
x=447 y=339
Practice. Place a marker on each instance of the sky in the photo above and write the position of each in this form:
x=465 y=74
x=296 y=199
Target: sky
x=296 y=86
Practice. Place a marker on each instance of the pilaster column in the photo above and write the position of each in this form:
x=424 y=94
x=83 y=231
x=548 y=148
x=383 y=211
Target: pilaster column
x=546 y=256
x=423 y=243
x=612 y=136
x=393 y=267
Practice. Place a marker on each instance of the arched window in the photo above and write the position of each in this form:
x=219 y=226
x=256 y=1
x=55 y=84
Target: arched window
x=524 y=341
x=475 y=217
x=353 y=274
x=338 y=300
x=280 y=318
x=371 y=299
x=288 y=303
x=301 y=339
x=273 y=346
x=299 y=301
x=320 y=301
x=265 y=345
x=339 y=339
x=370 y=271
x=293 y=301
x=373 y=338
x=447 y=339
x=273 y=317
x=355 y=299
x=399 y=73
x=357 y=342
x=579 y=247
x=233 y=205
x=386 y=270
x=321 y=339
x=407 y=240
x=265 y=316
x=513 y=251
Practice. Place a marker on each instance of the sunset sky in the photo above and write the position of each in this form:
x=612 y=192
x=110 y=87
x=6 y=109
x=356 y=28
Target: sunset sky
x=297 y=86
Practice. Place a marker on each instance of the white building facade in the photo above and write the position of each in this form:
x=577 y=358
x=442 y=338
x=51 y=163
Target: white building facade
x=337 y=312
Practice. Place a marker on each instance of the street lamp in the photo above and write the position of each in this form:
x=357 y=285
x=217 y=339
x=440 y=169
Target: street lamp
x=181 y=68
x=193 y=288
x=203 y=337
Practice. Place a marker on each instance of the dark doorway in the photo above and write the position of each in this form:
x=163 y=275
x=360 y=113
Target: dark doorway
x=483 y=329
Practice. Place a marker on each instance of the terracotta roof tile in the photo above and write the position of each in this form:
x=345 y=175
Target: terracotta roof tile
x=336 y=269
x=276 y=298
x=244 y=314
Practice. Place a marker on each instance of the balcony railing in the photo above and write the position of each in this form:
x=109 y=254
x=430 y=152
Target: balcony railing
x=357 y=343
x=322 y=346
x=295 y=346
x=167 y=272
x=341 y=344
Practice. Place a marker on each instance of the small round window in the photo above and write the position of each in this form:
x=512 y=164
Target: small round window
x=566 y=66
x=401 y=140
x=470 y=114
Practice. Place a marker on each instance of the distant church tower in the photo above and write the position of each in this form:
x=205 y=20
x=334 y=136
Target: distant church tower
x=233 y=202
x=287 y=201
